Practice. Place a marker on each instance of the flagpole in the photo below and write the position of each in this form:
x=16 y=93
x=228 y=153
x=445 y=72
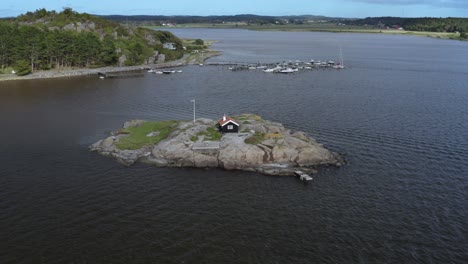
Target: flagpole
x=193 y=101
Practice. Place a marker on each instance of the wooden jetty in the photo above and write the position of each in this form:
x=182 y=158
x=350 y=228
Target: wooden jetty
x=303 y=176
x=120 y=74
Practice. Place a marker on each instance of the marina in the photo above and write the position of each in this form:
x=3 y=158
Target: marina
x=289 y=66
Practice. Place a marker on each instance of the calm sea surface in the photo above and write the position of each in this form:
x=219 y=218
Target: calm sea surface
x=399 y=113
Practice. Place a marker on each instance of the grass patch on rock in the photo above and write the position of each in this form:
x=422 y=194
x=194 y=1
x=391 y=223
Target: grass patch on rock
x=273 y=136
x=210 y=134
x=137 y=136
x=255 y=139
x=251 y=117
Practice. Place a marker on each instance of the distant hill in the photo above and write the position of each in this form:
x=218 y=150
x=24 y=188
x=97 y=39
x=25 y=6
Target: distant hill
x=416 y=24
x=47 y=39
x=243 y=18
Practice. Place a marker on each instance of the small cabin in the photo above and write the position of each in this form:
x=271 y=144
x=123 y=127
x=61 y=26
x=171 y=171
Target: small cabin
x=169 y=45
x=228 y=125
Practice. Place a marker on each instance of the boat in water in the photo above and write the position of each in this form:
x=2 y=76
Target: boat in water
x=340 y=64
x=276 y=69
x=288 y=70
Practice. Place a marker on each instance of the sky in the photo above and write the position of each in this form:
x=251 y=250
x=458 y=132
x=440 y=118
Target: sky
x=331 y=8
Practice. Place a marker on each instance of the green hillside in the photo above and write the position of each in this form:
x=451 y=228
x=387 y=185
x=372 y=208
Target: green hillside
x=44 y=40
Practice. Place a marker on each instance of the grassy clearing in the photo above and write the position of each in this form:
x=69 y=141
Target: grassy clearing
x=210 y=134
x=137 y=135
x=255 y=139
x=245 y=117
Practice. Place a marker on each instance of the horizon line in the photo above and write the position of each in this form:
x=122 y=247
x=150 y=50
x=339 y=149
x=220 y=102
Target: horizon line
x=241 y=14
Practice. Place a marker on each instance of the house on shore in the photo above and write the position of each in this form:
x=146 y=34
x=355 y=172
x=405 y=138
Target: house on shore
x=169 y=45
x=228 y=125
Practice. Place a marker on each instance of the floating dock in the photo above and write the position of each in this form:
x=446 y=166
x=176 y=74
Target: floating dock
x=303 y=176
x=103 y=75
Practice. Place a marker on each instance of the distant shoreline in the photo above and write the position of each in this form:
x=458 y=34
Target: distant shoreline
x=306 y=28
x=187 y=59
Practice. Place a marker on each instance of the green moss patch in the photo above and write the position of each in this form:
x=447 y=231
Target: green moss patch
x=210 y=134
x=137 y=135
x=245 y=117
x=255 y=139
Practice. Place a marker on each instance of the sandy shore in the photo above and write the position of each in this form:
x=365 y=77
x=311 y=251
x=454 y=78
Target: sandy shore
x=185 y=60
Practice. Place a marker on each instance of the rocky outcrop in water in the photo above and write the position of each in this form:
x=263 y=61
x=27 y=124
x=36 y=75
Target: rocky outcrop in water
x=261 y=146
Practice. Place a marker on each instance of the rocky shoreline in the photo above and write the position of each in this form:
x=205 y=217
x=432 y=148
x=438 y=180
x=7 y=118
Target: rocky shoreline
x=261 y=146
x=185 y=60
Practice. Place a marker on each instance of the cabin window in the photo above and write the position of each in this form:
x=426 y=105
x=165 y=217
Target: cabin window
x=230 y=127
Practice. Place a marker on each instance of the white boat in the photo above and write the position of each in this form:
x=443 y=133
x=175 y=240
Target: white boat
x=168 y=71
x=252 y=68
x=151 y=70
x=179 y=71
x=287 y=70
x=276 y=69
x=158 y=72
x=340 y=64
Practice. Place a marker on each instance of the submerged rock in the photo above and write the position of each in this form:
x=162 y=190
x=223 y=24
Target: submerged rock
x=261 y=146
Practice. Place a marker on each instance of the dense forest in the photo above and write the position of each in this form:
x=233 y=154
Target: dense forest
x=416 y=24
x=44 y=40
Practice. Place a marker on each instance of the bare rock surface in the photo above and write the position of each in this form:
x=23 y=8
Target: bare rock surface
x=261 y=145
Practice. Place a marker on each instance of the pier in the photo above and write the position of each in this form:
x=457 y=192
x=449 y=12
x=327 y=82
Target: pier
x=304 y=177
x=120 y=74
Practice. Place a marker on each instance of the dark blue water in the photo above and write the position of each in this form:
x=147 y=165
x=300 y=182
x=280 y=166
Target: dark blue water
x=399 y=113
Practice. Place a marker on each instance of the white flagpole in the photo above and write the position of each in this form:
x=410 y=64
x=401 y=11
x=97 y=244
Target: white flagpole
x=193 y=101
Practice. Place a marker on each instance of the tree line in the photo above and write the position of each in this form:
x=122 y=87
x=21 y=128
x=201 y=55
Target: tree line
x=28 y=43
x=417 y=24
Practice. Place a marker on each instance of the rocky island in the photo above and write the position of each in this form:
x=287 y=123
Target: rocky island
x=245 y=142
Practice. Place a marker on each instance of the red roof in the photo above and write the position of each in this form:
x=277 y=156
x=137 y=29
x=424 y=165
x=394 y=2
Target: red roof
x=222 y=122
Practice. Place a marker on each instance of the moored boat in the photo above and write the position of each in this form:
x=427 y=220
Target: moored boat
x=287 y=70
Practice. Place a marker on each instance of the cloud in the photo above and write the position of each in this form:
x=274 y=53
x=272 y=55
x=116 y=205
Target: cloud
x=434 y=3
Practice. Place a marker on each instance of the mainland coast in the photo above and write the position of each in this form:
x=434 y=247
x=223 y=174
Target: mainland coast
x=187 y=59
